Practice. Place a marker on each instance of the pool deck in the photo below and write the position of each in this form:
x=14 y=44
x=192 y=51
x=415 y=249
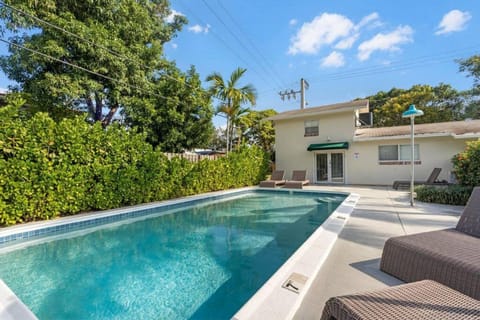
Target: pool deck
x=353 y=263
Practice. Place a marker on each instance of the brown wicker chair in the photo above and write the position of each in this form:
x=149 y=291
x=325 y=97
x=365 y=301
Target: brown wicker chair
x=432 y=180
x=298 y=179
x=276 y=179
x=450 y=256
x=425 y=300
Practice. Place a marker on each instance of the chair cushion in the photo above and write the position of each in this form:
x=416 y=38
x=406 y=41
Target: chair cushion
x=469 y=222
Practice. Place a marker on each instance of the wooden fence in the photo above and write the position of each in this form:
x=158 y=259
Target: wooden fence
x=193 y=157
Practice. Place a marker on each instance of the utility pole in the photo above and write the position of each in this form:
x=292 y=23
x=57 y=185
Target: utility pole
x=290 y=93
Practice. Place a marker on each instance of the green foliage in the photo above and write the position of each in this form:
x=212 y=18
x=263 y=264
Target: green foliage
x=472 y=67
x=180 y=123
x=49 y=168
x=453 y=195
x=472 y=97
x=440 y=103
x=466 y=164
x=258 y=131
x=232 y=98
x=124 y=42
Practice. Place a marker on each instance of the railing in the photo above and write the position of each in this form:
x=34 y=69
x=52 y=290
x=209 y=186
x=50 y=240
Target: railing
x=193 y=157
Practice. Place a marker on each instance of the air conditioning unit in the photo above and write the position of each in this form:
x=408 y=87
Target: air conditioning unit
x=365 y=119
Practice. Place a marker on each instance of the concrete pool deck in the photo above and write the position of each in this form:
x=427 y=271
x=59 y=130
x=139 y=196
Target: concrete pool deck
x=353 y=264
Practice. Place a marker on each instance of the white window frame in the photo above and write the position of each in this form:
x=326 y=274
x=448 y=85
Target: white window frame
x=401 y=158
x=308 y=124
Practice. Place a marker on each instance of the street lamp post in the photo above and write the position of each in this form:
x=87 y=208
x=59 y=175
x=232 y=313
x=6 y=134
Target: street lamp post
x=411 y=113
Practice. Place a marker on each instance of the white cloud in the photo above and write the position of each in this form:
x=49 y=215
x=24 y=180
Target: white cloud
x=322 y=30
x=371 y=21
x=453 y=21
x=385 y=42
x=171 y=16
x=293 y=22
x=347 y=43
x=174 y=45
x=333 y=60
x=199 y=29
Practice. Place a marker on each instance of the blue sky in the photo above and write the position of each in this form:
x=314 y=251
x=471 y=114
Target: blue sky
x=344 y=49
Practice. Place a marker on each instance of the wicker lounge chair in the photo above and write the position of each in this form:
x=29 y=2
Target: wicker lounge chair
x=450 y=256
x=425 y=300
x=431 y=180
x=276 y=179
x=298 y=180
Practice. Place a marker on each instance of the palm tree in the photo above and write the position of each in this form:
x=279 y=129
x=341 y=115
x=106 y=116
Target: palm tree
x=232 y=98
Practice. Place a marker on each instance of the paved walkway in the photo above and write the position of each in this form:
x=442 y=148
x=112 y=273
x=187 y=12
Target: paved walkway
x=353 y=264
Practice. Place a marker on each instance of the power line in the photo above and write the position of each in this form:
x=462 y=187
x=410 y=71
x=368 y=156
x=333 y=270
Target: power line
x=240 y=42
x=396 y=66
x=200 y=20
x=76 y=66
x=417 y=60
x=259 y=52
x=113 y=52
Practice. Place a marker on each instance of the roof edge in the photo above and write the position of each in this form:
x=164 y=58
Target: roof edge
x=325 y=109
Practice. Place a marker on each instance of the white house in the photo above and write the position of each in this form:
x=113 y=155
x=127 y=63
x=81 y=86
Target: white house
x=332 y=143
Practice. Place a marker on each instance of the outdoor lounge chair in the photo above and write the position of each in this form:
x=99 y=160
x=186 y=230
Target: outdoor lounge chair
x=430 y=181
x=298 y=180
x=276 y=179
x=418 y=300
x=450 y=256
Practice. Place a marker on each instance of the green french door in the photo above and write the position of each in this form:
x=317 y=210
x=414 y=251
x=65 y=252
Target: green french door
x=330 y=167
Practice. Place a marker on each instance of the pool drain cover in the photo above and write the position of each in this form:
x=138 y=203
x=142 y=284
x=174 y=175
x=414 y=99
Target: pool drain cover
x=295 y=282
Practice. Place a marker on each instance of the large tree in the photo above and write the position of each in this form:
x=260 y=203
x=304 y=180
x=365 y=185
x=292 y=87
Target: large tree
x=472 y=97
x=440 y=103
x=232 y=97
x=119 y=40
x=255 y=129
x=177 y=114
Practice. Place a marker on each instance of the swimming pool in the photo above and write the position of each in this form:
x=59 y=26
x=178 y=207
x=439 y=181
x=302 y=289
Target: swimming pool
x=203 y=261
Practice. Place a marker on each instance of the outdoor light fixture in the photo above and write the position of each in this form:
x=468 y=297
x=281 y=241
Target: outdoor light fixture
x=411 y=113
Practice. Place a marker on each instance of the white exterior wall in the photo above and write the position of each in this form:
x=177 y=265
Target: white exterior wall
x=291 y=144
x=434 y=153
x=361 y=159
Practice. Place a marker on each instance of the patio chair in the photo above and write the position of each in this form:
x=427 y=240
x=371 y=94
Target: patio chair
x=298 y=180
x=276 y=179
x=450 y=256
x=427 y=300
x=430 y=181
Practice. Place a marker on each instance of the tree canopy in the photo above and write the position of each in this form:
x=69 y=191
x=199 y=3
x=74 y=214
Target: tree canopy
x=119 y=41
x=180 y=122
x=107 y=57
x=232 y=98
x=472 y=97
x=256 y=130
x=439 y=103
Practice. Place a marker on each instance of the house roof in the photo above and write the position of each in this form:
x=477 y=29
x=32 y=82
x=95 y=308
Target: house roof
x=457 y=129
x=332 y=108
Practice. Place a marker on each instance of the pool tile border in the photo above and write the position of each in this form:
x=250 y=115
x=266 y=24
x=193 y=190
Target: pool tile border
x=10 y=235
x=257 y=307
x=34 y=230
x=272 y=301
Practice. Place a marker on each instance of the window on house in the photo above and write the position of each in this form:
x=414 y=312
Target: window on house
x=398 y=152
x=311 y=128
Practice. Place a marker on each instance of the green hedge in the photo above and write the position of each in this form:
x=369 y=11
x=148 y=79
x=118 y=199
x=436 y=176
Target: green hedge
x=454 y=195
x=466 y=164
x=50 y=169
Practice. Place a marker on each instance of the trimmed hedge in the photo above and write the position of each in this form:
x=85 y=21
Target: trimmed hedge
x=454 y=195
x=50 y=169
x=466 y=164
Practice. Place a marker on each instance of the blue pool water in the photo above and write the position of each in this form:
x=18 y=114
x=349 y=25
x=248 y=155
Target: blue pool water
x=203 y=262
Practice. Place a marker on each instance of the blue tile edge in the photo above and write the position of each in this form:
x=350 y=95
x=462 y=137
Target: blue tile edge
x=12 y=235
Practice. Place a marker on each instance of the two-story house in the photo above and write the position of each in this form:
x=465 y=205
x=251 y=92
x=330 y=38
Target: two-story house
x=333 y=144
